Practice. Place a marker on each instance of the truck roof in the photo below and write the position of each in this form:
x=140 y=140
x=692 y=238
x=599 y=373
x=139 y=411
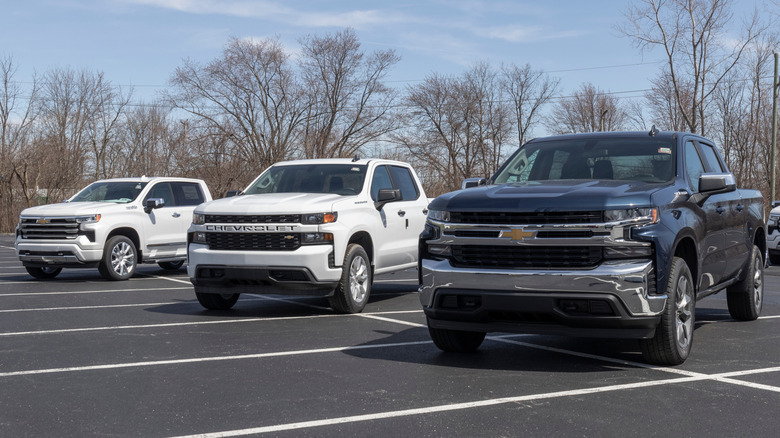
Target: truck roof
x=361 y=161
x=151 y=179
x=671 y=135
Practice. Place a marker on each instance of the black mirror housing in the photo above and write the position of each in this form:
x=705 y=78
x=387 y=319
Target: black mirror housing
x=387 y=195
x=153 y=203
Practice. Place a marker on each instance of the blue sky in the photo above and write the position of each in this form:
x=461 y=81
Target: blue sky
x=141 y=42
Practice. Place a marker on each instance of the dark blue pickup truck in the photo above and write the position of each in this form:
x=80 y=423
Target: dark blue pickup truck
x=610 y=234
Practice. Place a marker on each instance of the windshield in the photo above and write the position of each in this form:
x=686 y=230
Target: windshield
x=120 y=192
x=648 y=160
x=340 y=179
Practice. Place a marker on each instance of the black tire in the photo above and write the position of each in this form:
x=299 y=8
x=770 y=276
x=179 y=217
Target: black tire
x=171 y=266
x=119 y=259
x=351 y=294
x=774 y=259
x=746 y=297
x=456 y=341
x=673 y=338
x=43 y=273
x=217 y=301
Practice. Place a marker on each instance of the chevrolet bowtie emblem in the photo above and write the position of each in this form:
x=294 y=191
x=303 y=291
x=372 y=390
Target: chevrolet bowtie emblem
x=42 y=221
x=516 y=234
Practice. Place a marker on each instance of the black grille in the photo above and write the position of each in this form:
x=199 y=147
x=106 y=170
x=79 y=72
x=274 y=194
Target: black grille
x=55 y=228
x=254 y=219
x=526 y=218
x=484 y=256
x=254 y=241
x=564 y=234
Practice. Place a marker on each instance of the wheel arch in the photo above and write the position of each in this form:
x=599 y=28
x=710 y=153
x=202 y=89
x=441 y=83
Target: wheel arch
x=131 y=234
x=686 y=250
x=364 y=239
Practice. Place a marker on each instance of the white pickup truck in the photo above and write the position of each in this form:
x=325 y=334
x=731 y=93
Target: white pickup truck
x=311 y=227
x=113 y=225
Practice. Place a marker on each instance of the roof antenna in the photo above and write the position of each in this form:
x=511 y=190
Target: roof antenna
x=357 y=158
x=653 y=131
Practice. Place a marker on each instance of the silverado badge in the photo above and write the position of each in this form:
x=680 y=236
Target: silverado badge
x=516 y=234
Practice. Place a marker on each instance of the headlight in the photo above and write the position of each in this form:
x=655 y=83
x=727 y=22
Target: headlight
x=198 y=218
x=88 y=219
x=199 y=237
x=318 y=218
x=439 y=215
x=317 y=238
x=639 y=215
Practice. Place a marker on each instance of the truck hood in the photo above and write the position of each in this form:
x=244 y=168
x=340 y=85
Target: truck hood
x=273 y=203
x=64 y=209
x=549 y=196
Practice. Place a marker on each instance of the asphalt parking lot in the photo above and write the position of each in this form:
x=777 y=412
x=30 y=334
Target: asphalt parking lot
x=80 y=356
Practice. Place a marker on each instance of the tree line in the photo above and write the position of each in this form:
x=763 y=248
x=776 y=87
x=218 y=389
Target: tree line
x=228 y=119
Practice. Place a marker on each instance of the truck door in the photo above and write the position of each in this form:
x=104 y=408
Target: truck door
x=732 y=210
x=163 y=227
x=396 y=245
x=712 y=240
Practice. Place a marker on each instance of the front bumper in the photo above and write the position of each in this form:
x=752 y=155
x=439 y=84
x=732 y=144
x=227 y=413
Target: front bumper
x=309 y=270
x=611 y=300
x=79 y=252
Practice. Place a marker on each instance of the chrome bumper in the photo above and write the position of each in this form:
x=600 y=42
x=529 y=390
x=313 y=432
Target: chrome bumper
x=627 y=281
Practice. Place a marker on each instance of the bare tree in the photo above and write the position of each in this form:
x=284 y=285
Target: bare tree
x=528 y=90
x=587 y=110
x=348 y=104
x=690 y=33
x=250 y=95
x=456 y=127
x=17 y=121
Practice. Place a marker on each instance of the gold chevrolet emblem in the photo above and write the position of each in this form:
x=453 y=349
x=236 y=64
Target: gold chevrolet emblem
x=516 y=234
x=42 y=221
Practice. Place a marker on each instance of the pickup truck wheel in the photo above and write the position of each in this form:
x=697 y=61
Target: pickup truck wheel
x=674 y=334
x=119 y=259
x=43 y=273
x=171 y=266
x=351 y=294
x=456 y=341
x=217 y=301
x=745 y=298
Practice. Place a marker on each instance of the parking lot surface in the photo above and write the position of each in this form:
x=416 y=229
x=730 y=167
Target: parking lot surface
x=80 y=356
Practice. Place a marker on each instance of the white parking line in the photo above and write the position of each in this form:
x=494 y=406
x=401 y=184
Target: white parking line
x=466 y=405
x=102 y=291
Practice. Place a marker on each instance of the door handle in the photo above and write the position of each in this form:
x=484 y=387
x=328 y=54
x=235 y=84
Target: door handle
x=740 y=207
x=401 y=213
x=176 y=214
x=720 y=210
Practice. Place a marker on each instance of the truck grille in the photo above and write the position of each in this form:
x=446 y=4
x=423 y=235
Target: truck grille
x=527 y=218
x=485 y=256
x=254 y=241
x=49 y=228
x=253 y=219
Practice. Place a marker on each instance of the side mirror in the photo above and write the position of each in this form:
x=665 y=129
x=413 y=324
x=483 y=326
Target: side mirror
x=473 y=182
x=775 y=203
x=153 y=203
x=714 y=183
x=231 y=193
x=385 y=196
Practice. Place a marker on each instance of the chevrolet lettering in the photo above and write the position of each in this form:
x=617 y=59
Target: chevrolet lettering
x=249 y=228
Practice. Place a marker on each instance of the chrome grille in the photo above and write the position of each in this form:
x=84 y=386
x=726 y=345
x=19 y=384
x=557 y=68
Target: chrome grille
x=49 y=228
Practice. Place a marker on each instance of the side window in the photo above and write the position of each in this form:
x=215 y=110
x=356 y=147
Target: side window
x=381 y=180
x=712 y=157
x=404 y=181
x=187 y=193
x=162 y=190
x=693 y=165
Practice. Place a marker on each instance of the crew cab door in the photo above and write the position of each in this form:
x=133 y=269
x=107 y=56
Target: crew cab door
x=402 y=220
x=732 y=210
x=166 y=227
x=712 y=240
